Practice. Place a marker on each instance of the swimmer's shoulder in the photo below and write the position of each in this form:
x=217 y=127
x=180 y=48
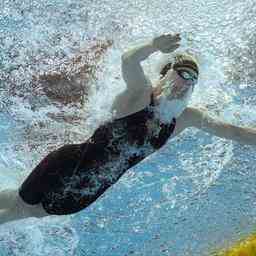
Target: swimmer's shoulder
x=131 y=101
x=187 y=119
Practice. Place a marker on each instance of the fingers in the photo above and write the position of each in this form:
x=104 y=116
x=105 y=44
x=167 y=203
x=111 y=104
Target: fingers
x=167 y=42
x=173 y=38
x=169 y=37
x=177 y=36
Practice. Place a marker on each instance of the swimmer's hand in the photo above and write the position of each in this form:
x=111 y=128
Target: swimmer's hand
x=167 y=43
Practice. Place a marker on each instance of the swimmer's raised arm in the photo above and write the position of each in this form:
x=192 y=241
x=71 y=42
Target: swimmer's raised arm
x=132 y=71
x=200 y=119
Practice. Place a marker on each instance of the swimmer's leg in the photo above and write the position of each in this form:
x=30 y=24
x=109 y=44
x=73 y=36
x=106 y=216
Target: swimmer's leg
x=15 y=208
x=7 y=198
x=7 y=215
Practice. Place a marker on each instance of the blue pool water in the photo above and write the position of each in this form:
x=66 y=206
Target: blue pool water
x=194 y=195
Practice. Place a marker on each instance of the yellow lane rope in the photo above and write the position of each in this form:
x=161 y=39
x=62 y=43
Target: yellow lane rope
x=245 y=247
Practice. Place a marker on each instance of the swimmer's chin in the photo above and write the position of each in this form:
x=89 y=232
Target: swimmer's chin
x=172 y=105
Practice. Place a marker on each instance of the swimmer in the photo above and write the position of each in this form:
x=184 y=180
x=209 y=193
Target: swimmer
x=72 y=177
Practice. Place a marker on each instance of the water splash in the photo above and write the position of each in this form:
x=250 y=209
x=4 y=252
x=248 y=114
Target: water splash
x=181 y=201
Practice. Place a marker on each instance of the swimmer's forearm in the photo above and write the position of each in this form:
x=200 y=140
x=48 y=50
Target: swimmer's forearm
x=132 y=70
x=139 y=53
x=165 y=43
x=214 y=126
x=244 y=135
x=227 y=131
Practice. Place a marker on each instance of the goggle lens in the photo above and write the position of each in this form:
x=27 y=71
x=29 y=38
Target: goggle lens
x=186 y=75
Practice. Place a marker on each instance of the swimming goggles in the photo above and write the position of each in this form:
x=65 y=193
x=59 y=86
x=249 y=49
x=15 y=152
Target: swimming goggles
x=188 y=76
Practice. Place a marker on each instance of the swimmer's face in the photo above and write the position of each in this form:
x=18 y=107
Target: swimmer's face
x=184 y=79
x=180 y=82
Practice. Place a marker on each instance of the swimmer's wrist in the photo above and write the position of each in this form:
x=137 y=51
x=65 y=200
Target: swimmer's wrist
x=153 y=46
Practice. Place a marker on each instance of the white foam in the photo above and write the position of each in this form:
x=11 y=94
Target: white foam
x=50 y=32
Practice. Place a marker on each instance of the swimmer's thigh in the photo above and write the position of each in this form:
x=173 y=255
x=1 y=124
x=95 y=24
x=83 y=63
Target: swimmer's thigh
x=49 y=172
x=8 y=198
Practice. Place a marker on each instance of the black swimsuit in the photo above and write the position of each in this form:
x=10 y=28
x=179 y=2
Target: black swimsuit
x=73 y=176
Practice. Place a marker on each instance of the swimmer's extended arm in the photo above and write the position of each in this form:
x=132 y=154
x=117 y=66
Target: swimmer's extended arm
x=200 y=119
x=132 y=71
